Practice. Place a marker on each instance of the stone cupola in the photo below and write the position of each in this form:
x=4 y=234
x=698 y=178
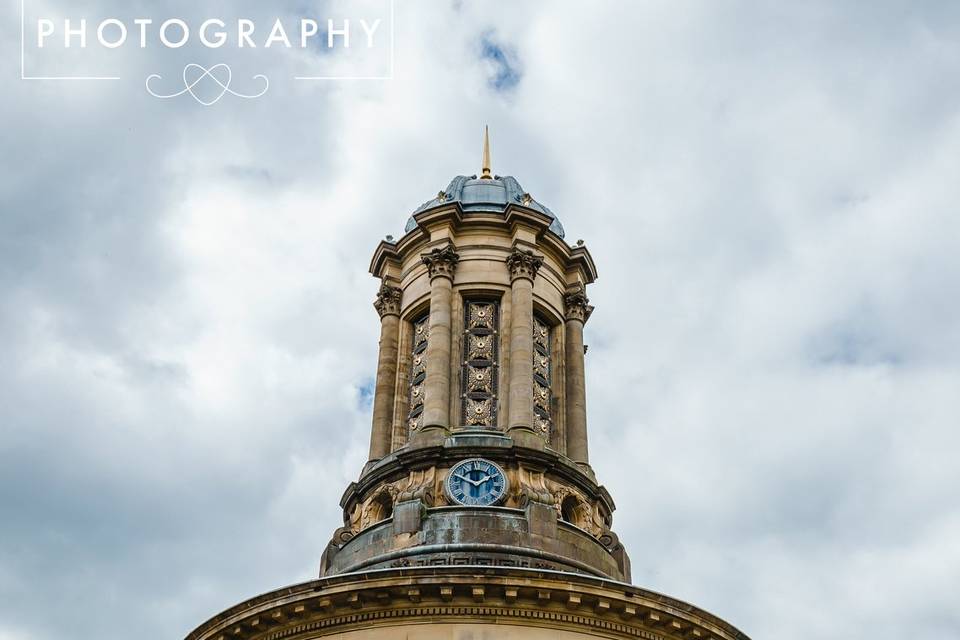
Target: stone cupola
x=477 y=514
x=482 y=305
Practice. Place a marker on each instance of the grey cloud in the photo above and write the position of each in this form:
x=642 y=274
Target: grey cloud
x=768 y=191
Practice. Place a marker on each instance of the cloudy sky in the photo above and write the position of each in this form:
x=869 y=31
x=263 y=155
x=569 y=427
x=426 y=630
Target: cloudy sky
x=770 y=191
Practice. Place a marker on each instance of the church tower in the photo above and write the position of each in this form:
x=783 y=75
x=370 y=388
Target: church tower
x=478 y=514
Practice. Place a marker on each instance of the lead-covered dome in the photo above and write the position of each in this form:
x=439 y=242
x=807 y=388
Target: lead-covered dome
x=487 y=195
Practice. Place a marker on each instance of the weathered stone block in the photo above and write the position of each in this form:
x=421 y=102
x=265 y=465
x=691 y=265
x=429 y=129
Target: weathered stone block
x=541 y=520
x=407 y=516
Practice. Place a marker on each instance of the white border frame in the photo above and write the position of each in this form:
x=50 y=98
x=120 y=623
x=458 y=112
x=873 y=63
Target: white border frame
x=24 y=76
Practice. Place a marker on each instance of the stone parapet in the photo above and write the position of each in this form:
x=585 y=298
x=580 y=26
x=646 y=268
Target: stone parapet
x=540 y=482
x=494 y=536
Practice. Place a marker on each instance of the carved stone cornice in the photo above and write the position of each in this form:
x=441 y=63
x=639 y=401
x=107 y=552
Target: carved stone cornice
x=492 y=595
x=577 y=306
x=441 y=262
x=388 y=300
x=524 y=263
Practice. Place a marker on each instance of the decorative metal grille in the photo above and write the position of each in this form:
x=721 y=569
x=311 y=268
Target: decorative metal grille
x=418 y=372
x=541 y=376
x=479 y=373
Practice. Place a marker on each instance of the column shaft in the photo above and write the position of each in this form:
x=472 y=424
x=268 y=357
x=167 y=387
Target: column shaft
x=436 y=403
x=388 y=306
x=385 y=390
x=523 y=265
x=521 y=354
x=576 y=398
x=441 y=264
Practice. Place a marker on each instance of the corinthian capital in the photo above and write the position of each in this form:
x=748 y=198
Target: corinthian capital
x=441 y=261
x=523 y=263
x=577 y=306
x=388 y=301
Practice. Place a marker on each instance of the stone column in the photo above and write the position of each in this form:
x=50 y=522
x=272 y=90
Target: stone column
x=388 y=306
x=523 y=265
x=577 y=312
x=441 y=263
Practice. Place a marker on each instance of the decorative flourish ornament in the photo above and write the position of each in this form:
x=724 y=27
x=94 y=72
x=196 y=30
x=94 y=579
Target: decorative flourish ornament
x=421 y=331
x=418 y=365
x=541 y=333
x=541 y=396
x=479 y=412
x=223 y=80
x=480 y=347
x=541 y=364
x=479 y=379
x=541 y=423
x=480 y=315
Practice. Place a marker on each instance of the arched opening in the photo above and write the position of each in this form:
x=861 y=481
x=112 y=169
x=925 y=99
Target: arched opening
x=568 y=510
x=381 y=508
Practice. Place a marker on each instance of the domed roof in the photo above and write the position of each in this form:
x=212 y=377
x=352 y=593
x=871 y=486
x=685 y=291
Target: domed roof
x=488 y=195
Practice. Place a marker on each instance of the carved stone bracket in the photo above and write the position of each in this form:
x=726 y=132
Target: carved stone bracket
x=524 y=263
x=388 y=300
x=529 y=486
x=340 y=537
x=441 y=261
x=577 y=306
x=420 y=484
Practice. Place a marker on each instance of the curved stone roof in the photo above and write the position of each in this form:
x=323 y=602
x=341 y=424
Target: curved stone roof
x=488 y=195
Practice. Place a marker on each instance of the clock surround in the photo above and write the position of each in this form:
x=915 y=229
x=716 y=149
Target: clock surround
x=476 y=482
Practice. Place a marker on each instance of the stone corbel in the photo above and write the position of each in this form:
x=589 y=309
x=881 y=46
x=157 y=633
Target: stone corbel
x=355 y=517
x=341 y=536
x=420 y=484
x=530 y=486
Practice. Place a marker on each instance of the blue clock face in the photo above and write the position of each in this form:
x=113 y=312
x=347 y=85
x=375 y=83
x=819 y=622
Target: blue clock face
x=476 y=482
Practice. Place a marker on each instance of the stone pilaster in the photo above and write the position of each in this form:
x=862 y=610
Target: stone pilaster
x=577 y=311
x=442 y=264
x=523 y=265
x=387 y=305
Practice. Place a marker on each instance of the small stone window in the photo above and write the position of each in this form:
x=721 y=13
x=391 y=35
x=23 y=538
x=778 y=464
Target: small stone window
x=479 y=372
x=418 y=371
x=542 y=372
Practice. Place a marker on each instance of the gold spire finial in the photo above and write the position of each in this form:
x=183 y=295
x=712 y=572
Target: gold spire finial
x=485 y=169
